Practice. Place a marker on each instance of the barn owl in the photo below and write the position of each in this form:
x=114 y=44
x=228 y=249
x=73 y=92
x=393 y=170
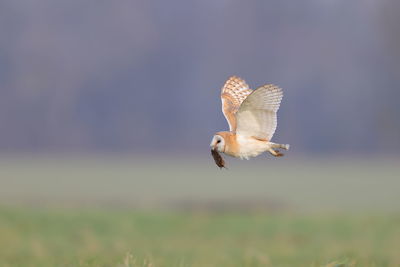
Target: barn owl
x=251 y=115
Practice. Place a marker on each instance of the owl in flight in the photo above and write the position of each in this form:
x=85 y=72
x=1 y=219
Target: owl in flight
x=251 y=115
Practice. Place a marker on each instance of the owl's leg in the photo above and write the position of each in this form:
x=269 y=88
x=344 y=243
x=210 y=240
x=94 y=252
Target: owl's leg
x=275 y=153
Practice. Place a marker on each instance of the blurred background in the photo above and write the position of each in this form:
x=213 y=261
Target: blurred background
x=144 y=76
x=133 y=86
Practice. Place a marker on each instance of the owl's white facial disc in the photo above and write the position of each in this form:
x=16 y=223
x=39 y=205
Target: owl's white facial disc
x=218 y=143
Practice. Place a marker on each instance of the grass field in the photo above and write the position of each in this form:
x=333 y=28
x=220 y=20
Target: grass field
x=124 y=238
x=124 y=212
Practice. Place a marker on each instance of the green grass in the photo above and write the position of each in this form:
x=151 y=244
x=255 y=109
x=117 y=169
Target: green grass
x=104 y=237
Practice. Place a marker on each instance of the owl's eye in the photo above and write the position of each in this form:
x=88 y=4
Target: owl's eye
x=219 y=141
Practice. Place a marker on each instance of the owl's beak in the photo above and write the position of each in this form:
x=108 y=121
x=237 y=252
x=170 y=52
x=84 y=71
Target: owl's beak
x=213 y=147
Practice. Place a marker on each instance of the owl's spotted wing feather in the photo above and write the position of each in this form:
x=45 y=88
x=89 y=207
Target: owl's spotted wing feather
x=233 y=93
x=257 y=115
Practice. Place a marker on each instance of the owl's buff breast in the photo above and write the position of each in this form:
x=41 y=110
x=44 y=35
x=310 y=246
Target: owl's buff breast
x=250 y=147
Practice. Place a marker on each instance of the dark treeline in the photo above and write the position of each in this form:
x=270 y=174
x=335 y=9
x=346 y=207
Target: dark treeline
x=145 y=75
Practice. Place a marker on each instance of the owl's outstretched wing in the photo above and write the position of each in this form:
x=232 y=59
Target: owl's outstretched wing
x=257 y=114
x=233 y=93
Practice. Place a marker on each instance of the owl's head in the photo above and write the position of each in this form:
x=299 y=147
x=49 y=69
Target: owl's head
x=218 y=143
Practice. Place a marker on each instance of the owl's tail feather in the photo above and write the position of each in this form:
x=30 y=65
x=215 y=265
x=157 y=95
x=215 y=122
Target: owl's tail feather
x=283 y=146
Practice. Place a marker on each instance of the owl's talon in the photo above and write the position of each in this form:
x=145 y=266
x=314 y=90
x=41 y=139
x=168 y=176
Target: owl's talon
x=275 y=153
